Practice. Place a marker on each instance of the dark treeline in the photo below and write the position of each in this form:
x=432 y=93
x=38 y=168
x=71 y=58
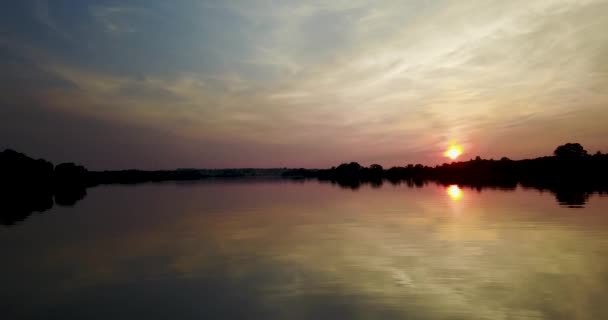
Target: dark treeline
x=34 y=185
x=28 y=185
x=140 y=176
x=571 y=173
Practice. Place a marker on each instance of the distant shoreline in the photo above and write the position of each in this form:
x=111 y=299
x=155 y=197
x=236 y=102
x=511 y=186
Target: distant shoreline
x=570 y=165
x=28 y=185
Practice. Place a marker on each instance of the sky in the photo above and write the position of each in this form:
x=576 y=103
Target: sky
x=258 y=83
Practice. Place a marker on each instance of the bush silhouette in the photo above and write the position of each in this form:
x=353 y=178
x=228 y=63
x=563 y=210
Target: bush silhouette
x=570 y=150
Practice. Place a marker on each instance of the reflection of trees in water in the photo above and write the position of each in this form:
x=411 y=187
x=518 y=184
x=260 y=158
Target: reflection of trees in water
x=571 y=197
x=69 y=196
x=571 y=174
x=18 y=206
x=28 y=185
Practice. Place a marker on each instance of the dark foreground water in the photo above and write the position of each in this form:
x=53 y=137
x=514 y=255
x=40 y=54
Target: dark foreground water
x=285 y=250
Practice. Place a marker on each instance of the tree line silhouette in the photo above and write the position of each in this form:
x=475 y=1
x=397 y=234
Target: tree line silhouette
x=571 y=174
x=30 y=185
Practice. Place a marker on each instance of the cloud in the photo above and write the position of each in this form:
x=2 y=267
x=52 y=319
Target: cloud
x=43 y=14
x=395 y=79
x=116 y=20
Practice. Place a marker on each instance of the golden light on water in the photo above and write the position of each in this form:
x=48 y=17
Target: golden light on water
x=453 y=152
x=454 y=192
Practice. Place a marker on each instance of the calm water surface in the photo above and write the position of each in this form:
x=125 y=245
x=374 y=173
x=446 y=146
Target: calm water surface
x=285 y=250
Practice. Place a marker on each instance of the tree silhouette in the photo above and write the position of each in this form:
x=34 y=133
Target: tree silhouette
x=570 y=150
x=376 y=169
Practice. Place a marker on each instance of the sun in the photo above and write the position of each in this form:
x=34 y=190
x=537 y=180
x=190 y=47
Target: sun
x=453 y=152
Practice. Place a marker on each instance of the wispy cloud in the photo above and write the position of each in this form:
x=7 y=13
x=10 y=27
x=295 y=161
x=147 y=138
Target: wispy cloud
x=350 y=79
x=43 y=14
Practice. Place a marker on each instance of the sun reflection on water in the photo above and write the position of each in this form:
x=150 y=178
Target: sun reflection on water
x=454 y=192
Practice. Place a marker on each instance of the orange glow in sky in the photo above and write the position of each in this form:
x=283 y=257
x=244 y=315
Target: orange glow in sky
x=454 y=192
x=453 y=152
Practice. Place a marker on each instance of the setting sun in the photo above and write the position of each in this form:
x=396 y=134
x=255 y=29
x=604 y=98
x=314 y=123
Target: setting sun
x=453 y=152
